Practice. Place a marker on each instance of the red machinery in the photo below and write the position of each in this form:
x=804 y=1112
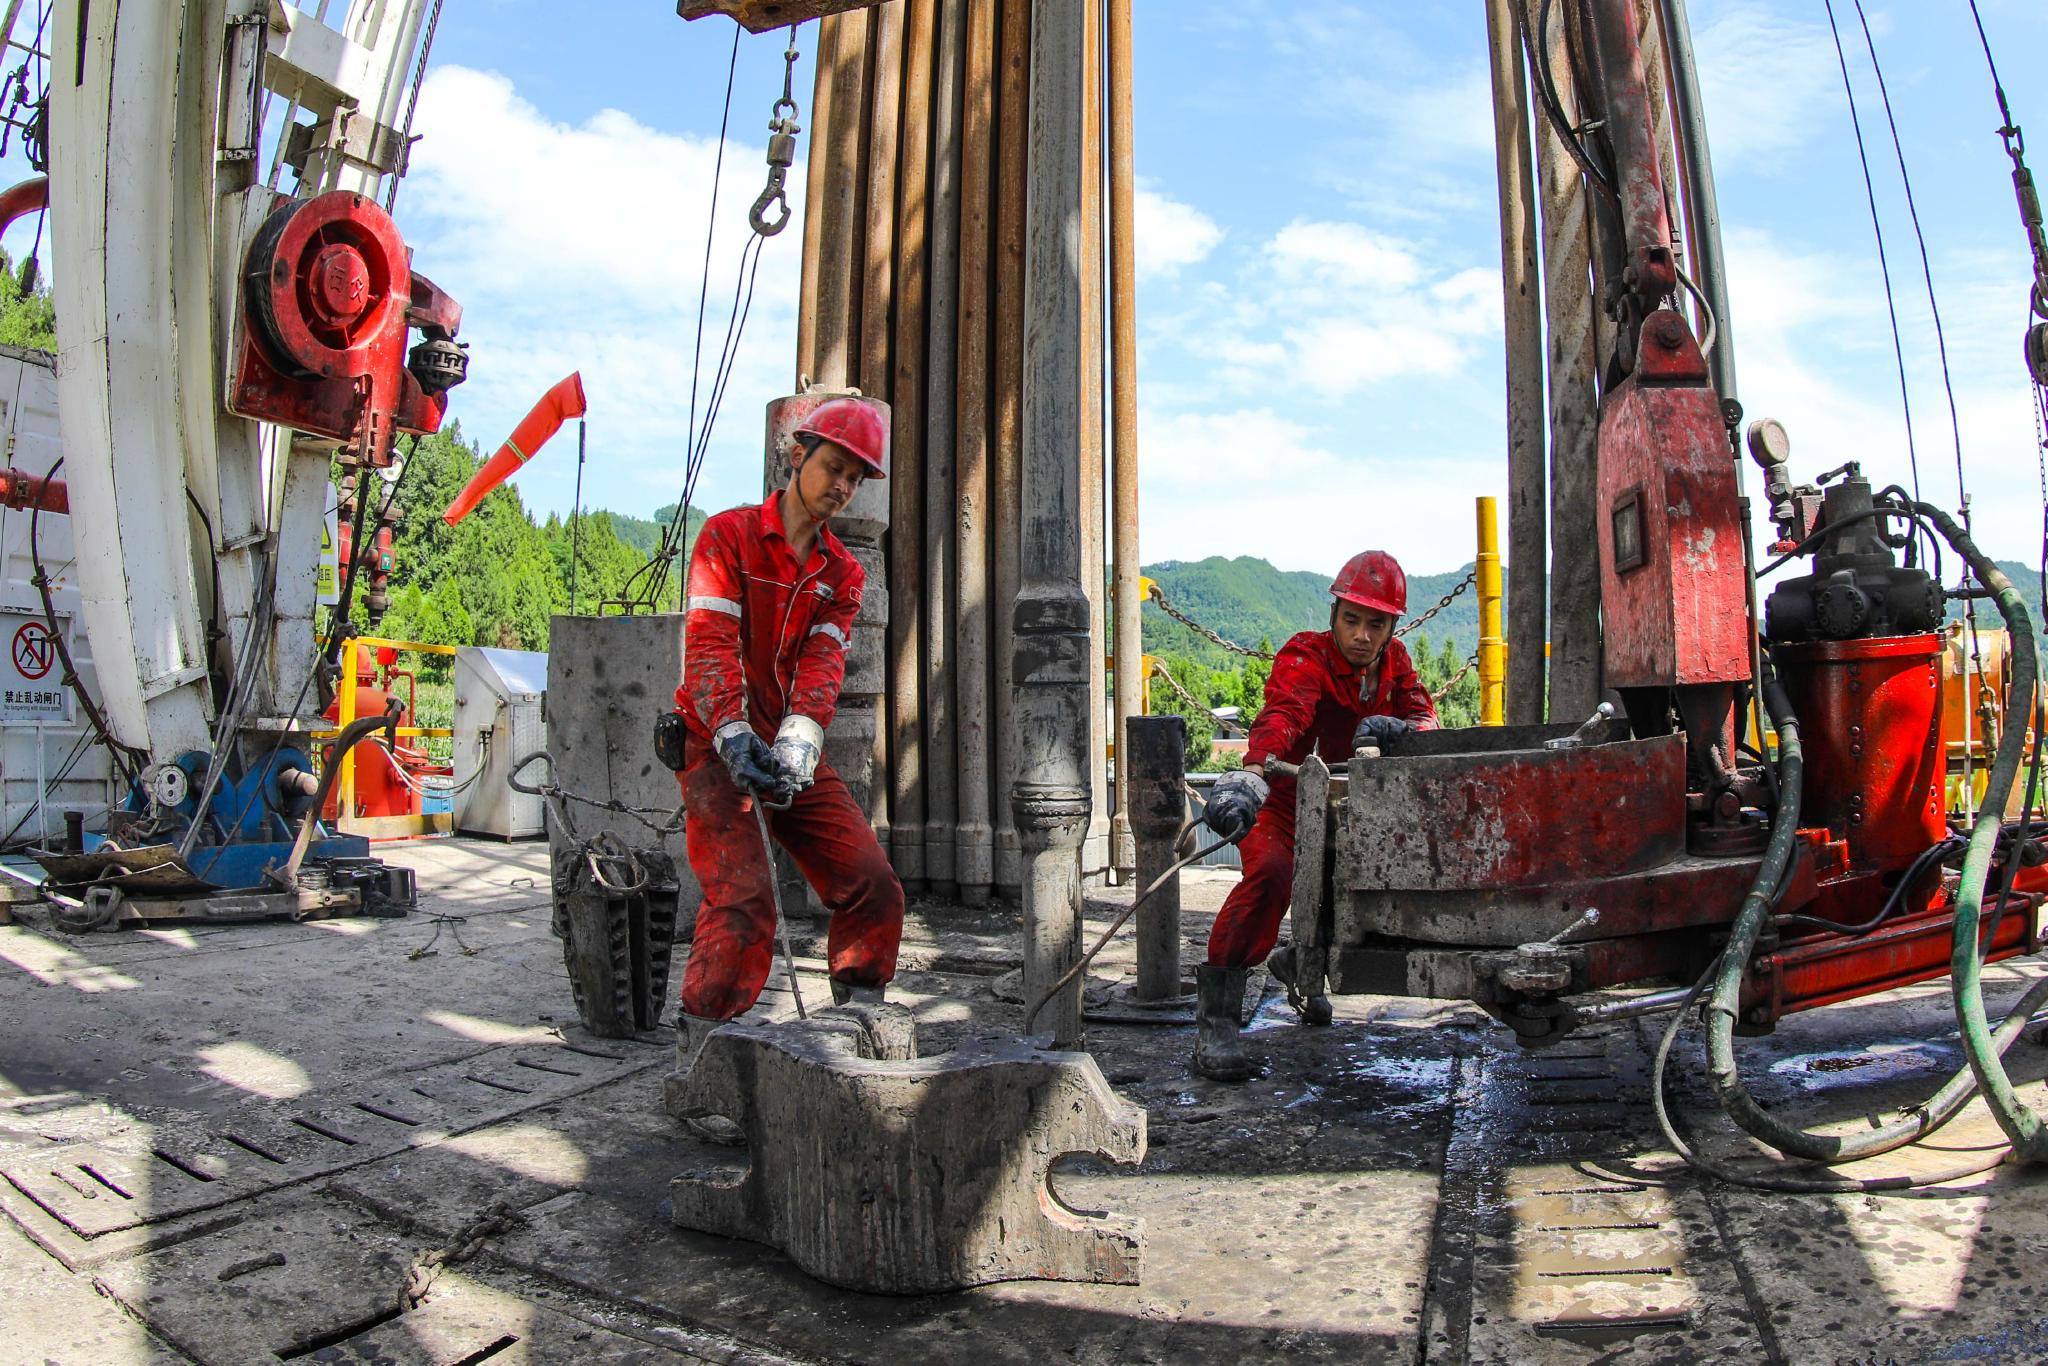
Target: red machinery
x=387 y=781
x=1518 y=867
x=328 y=297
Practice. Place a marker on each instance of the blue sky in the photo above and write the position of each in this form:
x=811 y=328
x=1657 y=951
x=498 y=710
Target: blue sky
x=1319 y=307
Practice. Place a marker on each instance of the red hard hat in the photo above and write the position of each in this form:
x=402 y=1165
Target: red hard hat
x=1373 y=579
x=855 y=424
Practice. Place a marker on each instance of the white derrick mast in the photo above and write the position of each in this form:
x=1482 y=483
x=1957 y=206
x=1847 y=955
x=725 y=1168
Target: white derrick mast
x=158 y=145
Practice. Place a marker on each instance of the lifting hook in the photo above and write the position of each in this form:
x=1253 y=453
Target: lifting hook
x=782 y=131
x=781 y=154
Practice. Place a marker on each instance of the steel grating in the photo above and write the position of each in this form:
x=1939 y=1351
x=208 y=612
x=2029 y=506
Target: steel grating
x=103 y=1187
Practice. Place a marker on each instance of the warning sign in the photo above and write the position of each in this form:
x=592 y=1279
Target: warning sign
x=327 y=584
x=31 y=683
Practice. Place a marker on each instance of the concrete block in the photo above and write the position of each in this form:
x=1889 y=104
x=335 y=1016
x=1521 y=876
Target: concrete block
x=878 y=1170
x=609 y=679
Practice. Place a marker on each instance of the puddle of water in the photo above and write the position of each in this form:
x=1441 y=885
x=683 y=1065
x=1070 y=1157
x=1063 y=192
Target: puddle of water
x=1370 y=1073
x=1890 y=1060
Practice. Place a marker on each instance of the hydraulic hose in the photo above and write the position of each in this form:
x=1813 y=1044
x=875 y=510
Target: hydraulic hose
x=1982 y=1046
x=1791 y=1182
x=2021 y=1124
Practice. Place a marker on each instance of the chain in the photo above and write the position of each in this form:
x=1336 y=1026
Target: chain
x=1159 y=670
x=1159 y=599
x=1459 y=677
x=616 y=868
x=558 y=797
x=1441 y=603
x=495 y=1218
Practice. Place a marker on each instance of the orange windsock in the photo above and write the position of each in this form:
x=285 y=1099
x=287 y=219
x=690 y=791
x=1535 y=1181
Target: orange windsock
x=556 y=406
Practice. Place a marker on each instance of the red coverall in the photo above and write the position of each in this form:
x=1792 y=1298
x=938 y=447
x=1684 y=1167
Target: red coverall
x=1314 y=701
x=766 y=638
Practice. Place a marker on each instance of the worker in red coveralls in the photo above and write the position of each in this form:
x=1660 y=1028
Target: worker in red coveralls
x=772 y=599
x=1332 y=692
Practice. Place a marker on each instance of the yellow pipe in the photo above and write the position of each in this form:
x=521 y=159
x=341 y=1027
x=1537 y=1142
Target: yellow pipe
x=1492 y=648
x=344 y=715
x=403 y=733
x=378 y=642
x=345 y=712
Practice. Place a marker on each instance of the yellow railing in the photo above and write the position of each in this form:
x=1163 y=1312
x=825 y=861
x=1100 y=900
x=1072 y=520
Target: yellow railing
x=345 y=715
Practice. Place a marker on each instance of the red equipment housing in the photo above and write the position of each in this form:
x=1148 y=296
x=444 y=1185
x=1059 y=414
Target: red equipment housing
x=328 y=295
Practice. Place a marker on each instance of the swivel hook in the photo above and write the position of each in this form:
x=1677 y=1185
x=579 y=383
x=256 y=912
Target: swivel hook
x=782 y=130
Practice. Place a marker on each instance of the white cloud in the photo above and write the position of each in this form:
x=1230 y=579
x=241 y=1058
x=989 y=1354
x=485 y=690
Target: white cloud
x=1346 y=257
x=579 y=246
x=1770 y=82
x=1325 y=310
x=1170 y=235
x=1256 y=482
x=1819 y=358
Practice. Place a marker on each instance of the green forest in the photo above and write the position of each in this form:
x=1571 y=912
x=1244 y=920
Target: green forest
x=498 y=576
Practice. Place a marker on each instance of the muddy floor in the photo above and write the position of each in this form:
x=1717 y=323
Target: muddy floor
x=387 y=1141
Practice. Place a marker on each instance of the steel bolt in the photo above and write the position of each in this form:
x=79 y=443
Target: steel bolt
x=1670 y=334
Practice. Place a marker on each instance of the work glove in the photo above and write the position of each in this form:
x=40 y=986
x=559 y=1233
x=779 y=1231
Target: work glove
x=1234 y=803
x=1377 y=730
x=747 y=757
x=798 y=743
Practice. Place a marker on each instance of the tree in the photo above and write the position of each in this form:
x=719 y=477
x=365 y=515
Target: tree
x=27 y=317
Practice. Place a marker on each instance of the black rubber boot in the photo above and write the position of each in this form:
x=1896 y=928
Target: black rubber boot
x=692 y=1033
x=850 y=993
x=1219 y=1055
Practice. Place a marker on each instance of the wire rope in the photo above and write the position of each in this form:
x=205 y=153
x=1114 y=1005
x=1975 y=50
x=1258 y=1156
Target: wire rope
x=412 y=103
x=1926 y=265
x=1883 y=260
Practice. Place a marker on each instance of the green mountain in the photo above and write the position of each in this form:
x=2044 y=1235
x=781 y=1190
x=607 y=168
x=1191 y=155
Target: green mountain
x=1249 y=601
x=2026 y=578
x=644 y=534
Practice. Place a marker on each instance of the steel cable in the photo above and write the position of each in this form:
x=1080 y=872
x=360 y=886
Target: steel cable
x=1081 y=964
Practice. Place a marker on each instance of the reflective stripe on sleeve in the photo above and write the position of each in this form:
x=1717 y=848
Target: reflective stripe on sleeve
x=828 y=629
x=709 y=604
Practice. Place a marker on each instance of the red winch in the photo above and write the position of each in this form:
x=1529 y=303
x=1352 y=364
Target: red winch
x=328 y=297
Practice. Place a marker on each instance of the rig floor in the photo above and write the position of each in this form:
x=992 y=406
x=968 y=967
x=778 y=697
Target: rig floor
x=271 y=1134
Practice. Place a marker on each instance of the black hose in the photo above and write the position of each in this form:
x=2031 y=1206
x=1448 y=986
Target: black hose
x=1537 y=45
x=1787 y=1182
x=352 y=735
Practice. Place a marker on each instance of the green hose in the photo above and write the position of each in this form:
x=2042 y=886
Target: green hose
x=2021 y=1125
x=1734 y=1096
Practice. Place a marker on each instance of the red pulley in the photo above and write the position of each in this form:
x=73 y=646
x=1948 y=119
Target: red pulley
x=328 y=297
x=327 y=279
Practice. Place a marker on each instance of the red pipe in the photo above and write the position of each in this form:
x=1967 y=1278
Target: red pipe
x=21 y=490
x=19 y=201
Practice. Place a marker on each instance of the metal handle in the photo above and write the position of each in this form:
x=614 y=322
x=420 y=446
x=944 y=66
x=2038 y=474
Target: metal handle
x=1602 y=714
